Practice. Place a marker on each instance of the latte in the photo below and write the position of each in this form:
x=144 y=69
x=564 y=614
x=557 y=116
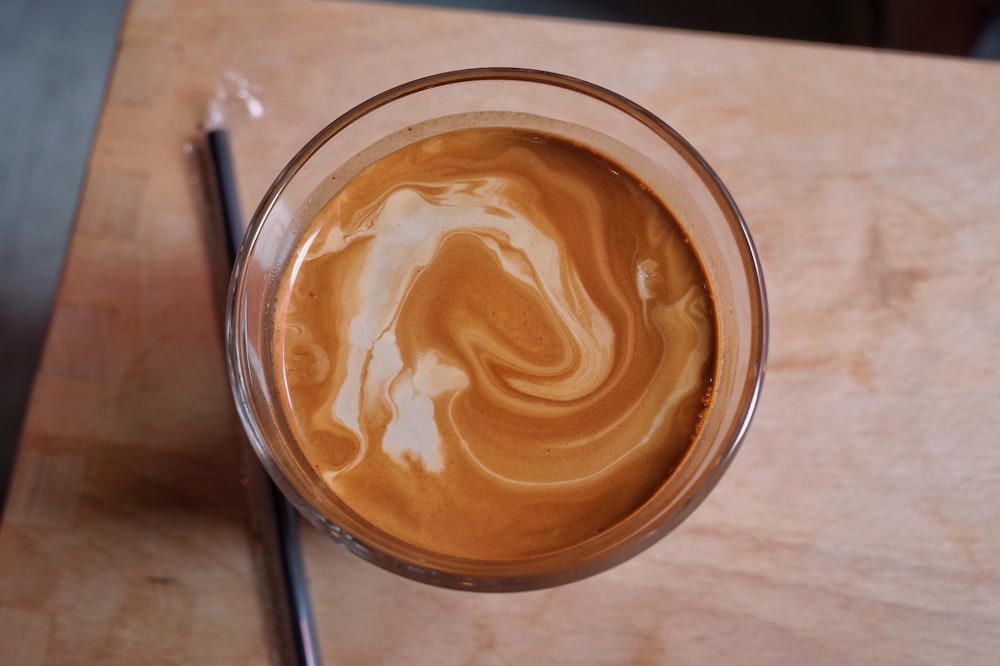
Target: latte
x=494 y=344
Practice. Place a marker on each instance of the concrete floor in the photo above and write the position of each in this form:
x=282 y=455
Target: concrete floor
x=55 y=57
x=54 y=61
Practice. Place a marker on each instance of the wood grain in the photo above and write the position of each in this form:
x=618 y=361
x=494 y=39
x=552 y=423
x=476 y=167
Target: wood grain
x=857 y=525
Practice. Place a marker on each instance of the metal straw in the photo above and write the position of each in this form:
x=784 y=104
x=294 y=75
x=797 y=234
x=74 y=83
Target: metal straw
x=279 y=529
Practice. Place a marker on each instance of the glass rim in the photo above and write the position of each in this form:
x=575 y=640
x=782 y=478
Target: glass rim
x=504 y=575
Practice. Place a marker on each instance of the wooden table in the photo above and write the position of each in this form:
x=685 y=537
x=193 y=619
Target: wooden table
x=859 y=524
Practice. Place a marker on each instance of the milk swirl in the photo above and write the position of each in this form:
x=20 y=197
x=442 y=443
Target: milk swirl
x=494 y=343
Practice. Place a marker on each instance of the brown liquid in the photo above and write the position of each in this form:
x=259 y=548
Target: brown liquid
x=494 y=344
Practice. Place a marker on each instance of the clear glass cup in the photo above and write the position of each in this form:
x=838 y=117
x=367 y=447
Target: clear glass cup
x=568 y=107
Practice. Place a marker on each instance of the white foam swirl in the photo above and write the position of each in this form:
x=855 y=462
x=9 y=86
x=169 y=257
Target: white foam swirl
x=402 y=235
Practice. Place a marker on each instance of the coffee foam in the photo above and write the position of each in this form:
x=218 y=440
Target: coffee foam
x=494 y=344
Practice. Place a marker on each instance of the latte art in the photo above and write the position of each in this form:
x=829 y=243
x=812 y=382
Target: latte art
x=494 y=344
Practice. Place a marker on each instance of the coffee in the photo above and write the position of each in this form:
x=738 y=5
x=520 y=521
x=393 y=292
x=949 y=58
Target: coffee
x=494 y=344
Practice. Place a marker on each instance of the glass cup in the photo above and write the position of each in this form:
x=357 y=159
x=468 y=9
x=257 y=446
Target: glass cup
x=585 y=114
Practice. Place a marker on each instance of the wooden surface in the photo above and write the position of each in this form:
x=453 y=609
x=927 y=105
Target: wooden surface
x=859 y=524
